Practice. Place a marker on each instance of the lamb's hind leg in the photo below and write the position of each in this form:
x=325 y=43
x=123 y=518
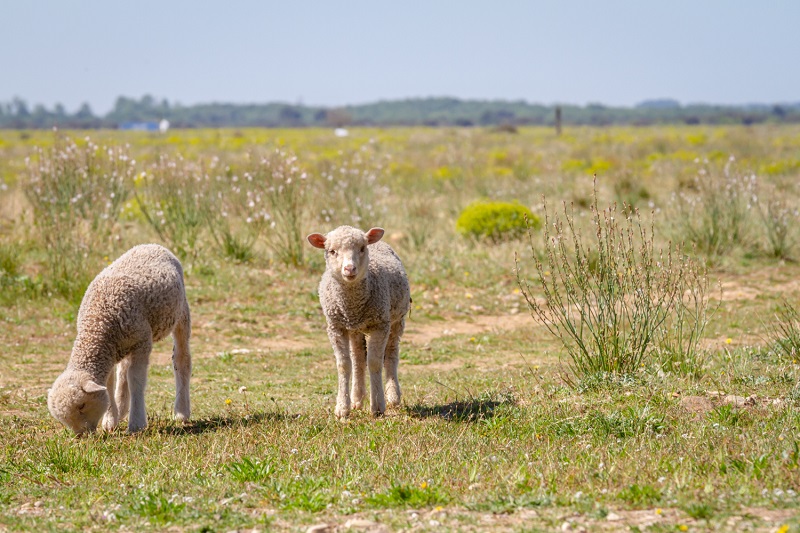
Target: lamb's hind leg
x=111 y=417
x=391 y=362
x=358 y=355
x=182 y=366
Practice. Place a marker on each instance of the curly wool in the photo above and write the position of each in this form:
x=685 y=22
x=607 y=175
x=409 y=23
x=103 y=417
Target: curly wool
x=381 y=297
x=137 y=300
x=140 y=294
x=365 y=297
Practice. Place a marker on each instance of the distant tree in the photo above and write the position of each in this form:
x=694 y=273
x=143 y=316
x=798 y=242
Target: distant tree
x=84 y=112
x=290 y=116
x=20 y=108
x=338 y=118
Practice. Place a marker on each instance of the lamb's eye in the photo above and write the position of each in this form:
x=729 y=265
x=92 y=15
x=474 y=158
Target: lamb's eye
x=332 y=252
x=81 y=406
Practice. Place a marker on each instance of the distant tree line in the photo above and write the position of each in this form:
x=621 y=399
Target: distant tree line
x=410 y=112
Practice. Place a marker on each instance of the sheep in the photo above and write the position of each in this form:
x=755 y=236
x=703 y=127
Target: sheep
x=135 y=301
x=365 y=297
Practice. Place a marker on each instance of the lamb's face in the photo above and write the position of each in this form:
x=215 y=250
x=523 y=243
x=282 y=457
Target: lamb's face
x=77 y=402
x=347 y=251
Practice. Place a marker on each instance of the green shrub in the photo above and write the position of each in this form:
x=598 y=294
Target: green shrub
x=496 y=221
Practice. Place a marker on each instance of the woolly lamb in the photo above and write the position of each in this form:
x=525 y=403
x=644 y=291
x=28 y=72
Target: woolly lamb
x=137 y=300
x=365 y=297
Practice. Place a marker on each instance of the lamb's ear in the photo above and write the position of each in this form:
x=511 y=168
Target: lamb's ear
x=91 y=386
x=374 y=235
x=317 y=240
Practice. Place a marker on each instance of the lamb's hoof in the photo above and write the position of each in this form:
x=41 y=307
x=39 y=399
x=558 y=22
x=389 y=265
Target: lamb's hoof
x=342 y=412
x=357 y=405
x=136 y=428
x=109 y=424
x=392 y=400
x=181 y=418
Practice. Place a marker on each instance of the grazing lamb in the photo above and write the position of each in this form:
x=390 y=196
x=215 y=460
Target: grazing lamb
x=137 y=300
x=365 y=297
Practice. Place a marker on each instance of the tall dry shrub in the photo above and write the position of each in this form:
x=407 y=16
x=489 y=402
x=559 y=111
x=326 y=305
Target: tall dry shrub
x=354 y=192
x=280 y=203
x=76 y=192
x=176 y=199
x=610 y=296
x=715 y=212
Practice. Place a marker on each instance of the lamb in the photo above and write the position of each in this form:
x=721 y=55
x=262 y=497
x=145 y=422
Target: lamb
x=137 y=300
x=365 y=297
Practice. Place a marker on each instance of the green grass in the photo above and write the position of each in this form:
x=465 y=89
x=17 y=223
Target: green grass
x=490 y=435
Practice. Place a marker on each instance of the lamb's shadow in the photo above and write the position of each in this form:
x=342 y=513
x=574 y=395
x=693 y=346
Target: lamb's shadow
x=472 y=410
x=215 y=423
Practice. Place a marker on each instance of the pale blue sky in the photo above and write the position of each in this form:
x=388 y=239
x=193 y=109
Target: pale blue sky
x=614 y=52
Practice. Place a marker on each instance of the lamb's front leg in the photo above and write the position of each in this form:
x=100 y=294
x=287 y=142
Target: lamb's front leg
x=341 y=349
x=376 y=348
x=111 y=417
x=358 y=355
x=137 y=380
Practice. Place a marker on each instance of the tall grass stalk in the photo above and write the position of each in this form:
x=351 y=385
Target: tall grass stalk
x=606 y=301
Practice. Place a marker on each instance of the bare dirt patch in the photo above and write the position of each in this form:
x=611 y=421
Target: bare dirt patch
x=425 y=333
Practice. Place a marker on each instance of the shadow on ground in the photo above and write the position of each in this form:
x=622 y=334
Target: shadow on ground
x=215 y=423
x=471 y=410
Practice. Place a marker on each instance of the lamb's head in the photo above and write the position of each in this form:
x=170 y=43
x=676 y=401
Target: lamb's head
x=77 y=401
x=346 y=252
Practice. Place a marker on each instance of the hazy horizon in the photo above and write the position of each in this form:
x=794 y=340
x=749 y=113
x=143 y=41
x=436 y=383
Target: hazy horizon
x=619 y=53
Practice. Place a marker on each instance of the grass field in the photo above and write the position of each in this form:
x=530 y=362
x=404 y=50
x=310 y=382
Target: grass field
x=499 y=429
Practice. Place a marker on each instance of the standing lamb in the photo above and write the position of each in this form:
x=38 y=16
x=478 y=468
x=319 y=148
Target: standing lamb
x=365 y=297
x=137 y=300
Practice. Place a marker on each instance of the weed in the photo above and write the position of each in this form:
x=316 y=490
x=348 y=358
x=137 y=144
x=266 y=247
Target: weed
x=251 y=470
x=158 y=508
x=76 y=194
x=285 y=193
x=699 y=510
x=69 y=458
x=423 y=495
x=175 y=199
x=715 y=215
x=640 y=495
x=779 y=220
x=608 y=301
x=784 y=331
